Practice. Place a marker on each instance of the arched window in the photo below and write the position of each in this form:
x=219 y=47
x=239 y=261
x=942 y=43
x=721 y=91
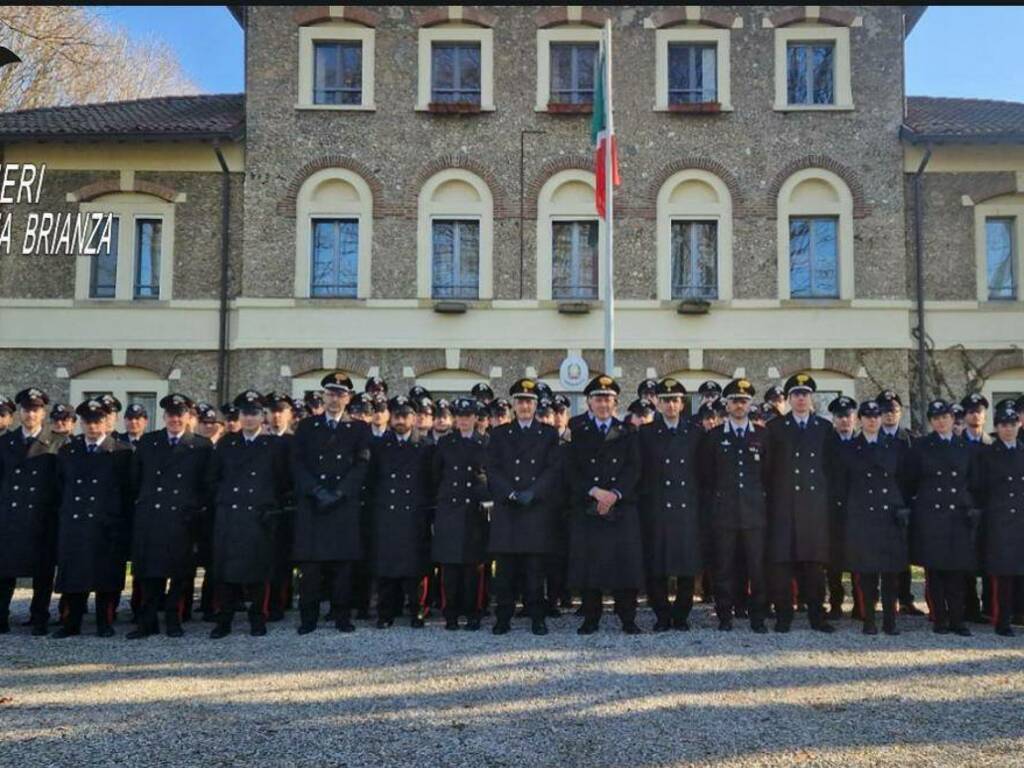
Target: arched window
x=128 y=384
x=694 y=237
x=450 y=383
x=139 y=264
x=333 y=236
x=815 y=236
x=455 y=235
x=570 y=239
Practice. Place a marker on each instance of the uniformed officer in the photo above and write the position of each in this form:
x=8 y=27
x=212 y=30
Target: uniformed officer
x=360 y=408
x=250 y=473
x=523 y=476
x=799 y=515
x=500 y=412
x=641 y=412
x=459 y=543
x=866 y=477
x=379 y=416
x=28 y=509
x=170 y=486
x=401 y=497
x=330 y=460
x=280 y=422
x=113 y=408
x=844 y=424
x=647 y=390
x=892 y=413
x=424 y=415
x=557 y=576
x=443 y=420
x=670 y=506
x=997 y=481
x=314 y=402
x=776 y=396
x=606 y=540
x=945 y=518
x=7 y=408
x=959 y=418
x=62 y=420
x=482 y=393
x=209 y=423
x=375 y=385
x=733 y=464
x=709 y=391
x=94 y=473
x=232 y=418
x=136 y=420
x=975 y=412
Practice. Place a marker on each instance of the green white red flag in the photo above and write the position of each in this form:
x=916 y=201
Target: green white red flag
x=602 y=136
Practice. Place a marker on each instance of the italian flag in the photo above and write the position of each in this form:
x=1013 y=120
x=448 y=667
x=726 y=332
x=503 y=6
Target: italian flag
x=602 y=136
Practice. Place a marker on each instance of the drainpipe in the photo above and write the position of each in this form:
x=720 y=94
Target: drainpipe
x=919 y=271
x=223 y=373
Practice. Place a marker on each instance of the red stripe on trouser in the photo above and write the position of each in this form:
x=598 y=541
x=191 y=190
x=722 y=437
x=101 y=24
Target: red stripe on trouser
x=266 y=599
x=795 y=589
x=481 y=575
x=110 y=610
x=928 y=597
x=995 y=600
x=181 y=607
x=424 y=592
x=444 y=596
x=860 y=595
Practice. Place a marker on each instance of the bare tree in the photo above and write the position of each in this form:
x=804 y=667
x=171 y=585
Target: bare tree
x=72 y=55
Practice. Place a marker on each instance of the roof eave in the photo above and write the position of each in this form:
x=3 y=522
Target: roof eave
x=14 y=137
x=910 y=136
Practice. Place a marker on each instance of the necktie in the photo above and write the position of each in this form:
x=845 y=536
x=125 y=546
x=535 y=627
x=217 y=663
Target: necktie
x=29 y=440
x=803 y=424
x=174 y=441
x=332 y=423
x=91 y=448
x=603 y=428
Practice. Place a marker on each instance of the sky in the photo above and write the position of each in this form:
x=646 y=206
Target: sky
x=971 y=51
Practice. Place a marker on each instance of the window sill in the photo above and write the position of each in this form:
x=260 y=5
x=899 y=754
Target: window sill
x=330 y=301
x=336 y=107
x=556 y=108
x=450 y=307
x=1001 y=305
x=575 y=307
x=82 y=302
x=816 y=303
x=701 y=108
x=813 y=107
x=454 y=108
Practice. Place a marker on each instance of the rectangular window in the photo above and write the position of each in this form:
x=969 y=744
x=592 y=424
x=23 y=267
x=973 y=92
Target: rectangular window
x=810 y=73
x=103 y=269
x=455 y=264
x=147 y=258
x=572 y=72
x=692 y=76
x=695 y=260
x=574 y=260
x=1000 y=257
x=813 y=258
x=338 y=73
x=335 y=258
x=455 y=73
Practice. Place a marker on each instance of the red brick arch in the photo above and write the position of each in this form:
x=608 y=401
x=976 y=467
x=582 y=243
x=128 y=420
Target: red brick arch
x=695 y=163
x=556 y=15
x=502 y=205
x=860 y=206
x=110 y=186
x=315 y=14
x=286 y=205
x=829 y=14
x=711 y=17
x=439 y=14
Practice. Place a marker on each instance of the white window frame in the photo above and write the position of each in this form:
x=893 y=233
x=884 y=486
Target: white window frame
x=720 y=212
x=429 y=209
x=128 y=207
x=565 y=33
x=336 y=31
x=456 y=33
x=841 y=209
x=307 y=209
x=1004 y=206
x=1005 y=381
x=698 y=36
x=810 y=33
x=597 y=253
x=548 y=212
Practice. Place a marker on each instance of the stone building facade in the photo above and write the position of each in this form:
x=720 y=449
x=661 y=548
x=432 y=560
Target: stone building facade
x=385 y=154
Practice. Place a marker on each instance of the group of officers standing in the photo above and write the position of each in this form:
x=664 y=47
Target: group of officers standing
x=444 y=505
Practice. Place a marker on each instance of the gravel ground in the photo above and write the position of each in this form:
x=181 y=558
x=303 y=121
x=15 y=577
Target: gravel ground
x=429 y=697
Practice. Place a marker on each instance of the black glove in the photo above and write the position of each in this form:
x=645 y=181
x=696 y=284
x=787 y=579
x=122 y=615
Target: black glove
x=524 y=498
x=903 y=517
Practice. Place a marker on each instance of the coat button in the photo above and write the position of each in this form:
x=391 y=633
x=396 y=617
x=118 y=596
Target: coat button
x=158 y=490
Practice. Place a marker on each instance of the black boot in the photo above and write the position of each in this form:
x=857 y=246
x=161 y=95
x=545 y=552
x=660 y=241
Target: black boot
x=307 y=618
x=257 y=626
x=501 y=627
x=588 y=627
x=5 y=625
x=662 y=622
x=539 y=627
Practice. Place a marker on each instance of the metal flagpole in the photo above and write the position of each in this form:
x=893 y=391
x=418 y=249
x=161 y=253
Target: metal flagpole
x=609 y=292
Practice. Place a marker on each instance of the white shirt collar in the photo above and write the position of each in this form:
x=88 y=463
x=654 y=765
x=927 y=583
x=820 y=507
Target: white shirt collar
x=25 y=435
x=743 y=426
x=671 y=424
x=526 y=425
